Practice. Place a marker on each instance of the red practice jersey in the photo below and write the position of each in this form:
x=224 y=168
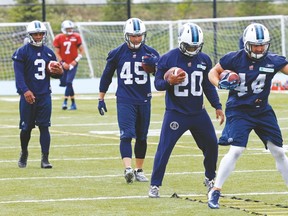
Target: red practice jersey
x=68 y=45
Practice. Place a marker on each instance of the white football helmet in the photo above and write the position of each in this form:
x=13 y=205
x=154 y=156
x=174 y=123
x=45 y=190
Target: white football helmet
x=36 y=27
x=67 y=24
x=190 y=39
x=256 y=34
x=134 y=26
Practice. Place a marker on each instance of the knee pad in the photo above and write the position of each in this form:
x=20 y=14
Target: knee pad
x=140 y=148
x=126 y=148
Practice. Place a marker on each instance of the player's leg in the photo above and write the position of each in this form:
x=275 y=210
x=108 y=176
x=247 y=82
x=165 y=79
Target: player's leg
x=140 y=148
x=126 y=114
x=269 y=132
x=281 y=160
x=204 y=134
x=172 y=129
x=237 y=130
x=63 y=83
x=44 y=107
x=26 y=125
x=70 y=92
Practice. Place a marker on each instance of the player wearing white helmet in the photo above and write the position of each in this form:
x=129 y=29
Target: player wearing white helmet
x=33 y=85
x=247 y=106
x=69 y=51
x=133 y=95
x=185 y=110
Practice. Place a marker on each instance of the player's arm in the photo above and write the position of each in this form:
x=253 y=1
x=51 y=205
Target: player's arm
x=285 y=69
x=20 y=82
x=58 y=56
x=57 y=53
x=80 y=55
x=19 y=76
x=214 y=74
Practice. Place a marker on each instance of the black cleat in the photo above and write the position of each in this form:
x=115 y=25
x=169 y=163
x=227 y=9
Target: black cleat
x=22 y=163
x=45 y=162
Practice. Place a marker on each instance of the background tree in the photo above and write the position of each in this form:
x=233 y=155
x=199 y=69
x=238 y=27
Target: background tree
x=116 y=10
x=255 y=8
x=26 y=11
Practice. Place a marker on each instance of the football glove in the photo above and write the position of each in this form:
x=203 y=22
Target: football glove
x=102 y=107
x=149 y=59
x=225 y=84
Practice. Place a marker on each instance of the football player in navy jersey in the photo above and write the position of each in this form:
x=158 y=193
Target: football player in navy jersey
x=33 y=86
x=185 y=105
x=133 y=95
x=247 y=107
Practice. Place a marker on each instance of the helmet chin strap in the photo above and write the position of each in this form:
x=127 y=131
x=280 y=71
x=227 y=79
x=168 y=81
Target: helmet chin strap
x=256 y=56
x=134 y=46
x=34 y=43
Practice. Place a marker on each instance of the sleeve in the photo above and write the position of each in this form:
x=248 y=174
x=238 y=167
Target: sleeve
x=109 y=70
x=56 y=41
x=159 y=82
x=79 y=40
x=209 y=89
x=18 y=65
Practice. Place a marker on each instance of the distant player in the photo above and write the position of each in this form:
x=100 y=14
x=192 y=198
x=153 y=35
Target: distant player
x=247 y=107
x=69 y=51
x=133 y=95
x=33 y=86
x=185 y=109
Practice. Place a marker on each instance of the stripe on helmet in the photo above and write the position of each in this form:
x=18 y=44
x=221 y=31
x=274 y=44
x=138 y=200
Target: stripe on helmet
x=194 y=33
x=259 y=32
x=37 y=25
x=136 y=25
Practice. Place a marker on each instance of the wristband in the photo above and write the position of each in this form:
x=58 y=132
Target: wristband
x=77 y=59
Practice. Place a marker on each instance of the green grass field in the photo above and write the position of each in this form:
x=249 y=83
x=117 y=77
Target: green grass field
x=87 y=175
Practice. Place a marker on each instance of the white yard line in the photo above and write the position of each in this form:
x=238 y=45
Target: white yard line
x=132 y=197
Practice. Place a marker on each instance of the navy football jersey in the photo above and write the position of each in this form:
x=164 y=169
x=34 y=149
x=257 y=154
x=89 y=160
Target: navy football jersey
x=134 y=86
x=255 y=76
x=30 y=69
x=187 y=97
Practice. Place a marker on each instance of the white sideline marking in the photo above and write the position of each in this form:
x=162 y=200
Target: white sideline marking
x=117 y=158
x=132 y=197
x=116 y=176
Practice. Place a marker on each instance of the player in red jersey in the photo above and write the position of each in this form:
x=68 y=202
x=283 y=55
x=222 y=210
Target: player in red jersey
x=69 y=50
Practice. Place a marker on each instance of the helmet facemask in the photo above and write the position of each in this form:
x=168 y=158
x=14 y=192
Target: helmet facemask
x=36 y=27
x=190 y=50
x=253 y=55
x=256 y=35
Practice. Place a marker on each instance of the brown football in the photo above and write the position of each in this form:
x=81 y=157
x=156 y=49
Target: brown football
x=231 y=77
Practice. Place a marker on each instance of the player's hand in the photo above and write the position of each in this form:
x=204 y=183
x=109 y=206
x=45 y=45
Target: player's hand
x=176 y=79
x=102 y=106
x=29 y=97
x=150 y=59
x=73 y=63
x=71 y=67
x=65 y=66
x=56 y=69
x=220 y=116
x=225 y=84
